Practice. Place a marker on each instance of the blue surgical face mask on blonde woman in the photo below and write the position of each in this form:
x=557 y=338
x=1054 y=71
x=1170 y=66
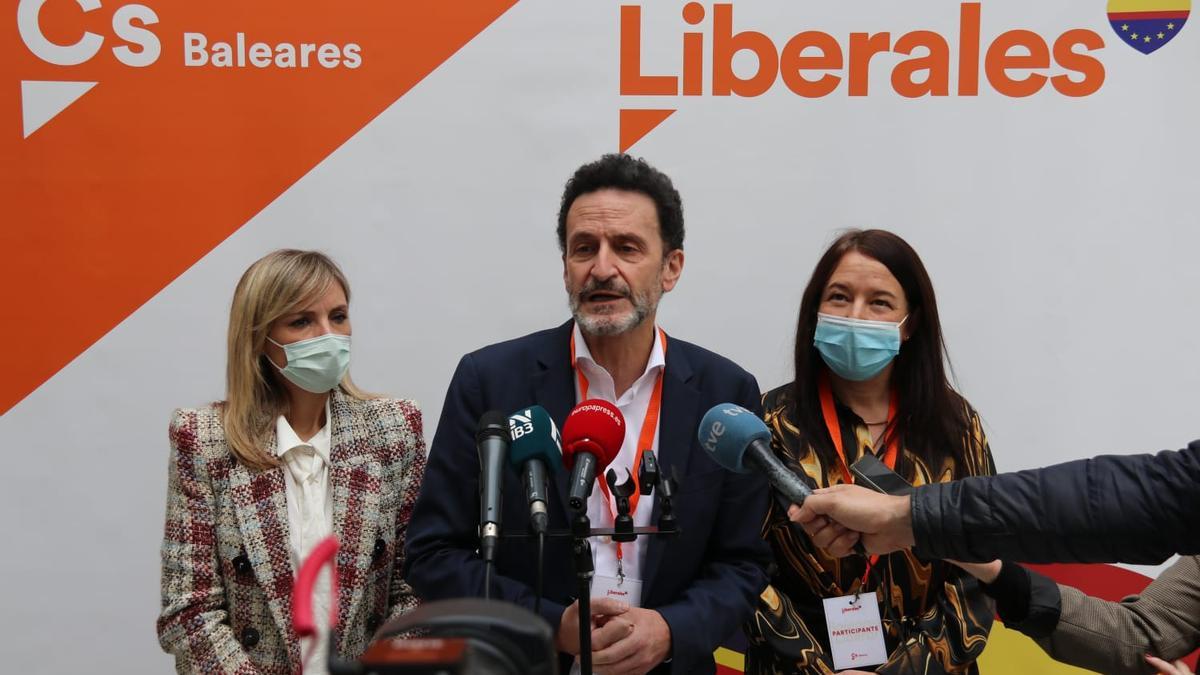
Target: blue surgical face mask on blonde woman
x=317 y=364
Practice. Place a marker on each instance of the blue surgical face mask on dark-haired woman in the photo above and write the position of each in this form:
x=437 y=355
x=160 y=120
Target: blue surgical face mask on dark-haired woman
x=856 y=349
x=316 y=364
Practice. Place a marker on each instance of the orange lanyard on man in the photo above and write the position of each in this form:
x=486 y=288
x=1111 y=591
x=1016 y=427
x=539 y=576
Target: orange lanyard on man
x=829 y=412
x=645 y=439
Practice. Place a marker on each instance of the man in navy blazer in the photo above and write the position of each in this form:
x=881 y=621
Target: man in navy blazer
x=621 y=231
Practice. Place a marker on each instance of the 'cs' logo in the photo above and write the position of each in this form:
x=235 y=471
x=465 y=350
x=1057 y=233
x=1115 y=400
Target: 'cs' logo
x=128 y=23
x=42 y=100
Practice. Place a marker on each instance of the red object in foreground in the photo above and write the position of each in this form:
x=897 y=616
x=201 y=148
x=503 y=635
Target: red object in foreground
x=593 y=426
x=425 y=653
x=322 y=554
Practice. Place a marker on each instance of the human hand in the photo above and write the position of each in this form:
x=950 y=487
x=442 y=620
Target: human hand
x=630 y=644
x=603 y=610
x=1164 y=668
x=985 y=572
x=837 y=517
x=825 y=533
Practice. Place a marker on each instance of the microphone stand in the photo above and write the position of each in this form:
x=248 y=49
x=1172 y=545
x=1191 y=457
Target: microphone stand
x=621 y=492
x=541 y=559
x=623 y=530
x=490 y=535
x=581 y=528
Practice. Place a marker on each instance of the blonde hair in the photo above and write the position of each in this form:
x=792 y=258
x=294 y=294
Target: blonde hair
x=277 y=284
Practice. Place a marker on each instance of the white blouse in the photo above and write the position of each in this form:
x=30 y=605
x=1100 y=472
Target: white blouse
x=310 y=518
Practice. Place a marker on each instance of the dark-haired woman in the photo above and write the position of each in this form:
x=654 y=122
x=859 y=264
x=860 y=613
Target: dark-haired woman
x=870 y=380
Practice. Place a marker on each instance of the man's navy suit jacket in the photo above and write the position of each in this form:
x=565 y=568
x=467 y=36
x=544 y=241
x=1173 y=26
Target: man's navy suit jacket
x=702 y=581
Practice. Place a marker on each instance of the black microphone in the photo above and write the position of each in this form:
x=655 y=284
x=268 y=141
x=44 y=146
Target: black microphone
x=492 y=441
x=536 y=449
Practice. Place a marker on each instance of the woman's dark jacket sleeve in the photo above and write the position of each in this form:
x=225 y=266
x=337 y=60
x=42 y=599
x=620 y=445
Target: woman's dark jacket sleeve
x=1114 y=508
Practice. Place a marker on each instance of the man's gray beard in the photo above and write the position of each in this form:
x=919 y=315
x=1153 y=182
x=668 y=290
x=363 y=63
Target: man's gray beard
x=606 y=325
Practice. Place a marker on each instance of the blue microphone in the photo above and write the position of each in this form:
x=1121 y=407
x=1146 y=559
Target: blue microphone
x=736 y=439
x=535 y=452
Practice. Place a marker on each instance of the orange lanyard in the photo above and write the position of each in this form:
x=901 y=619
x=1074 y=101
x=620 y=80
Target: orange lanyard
x=645 y=439
x=829 y=412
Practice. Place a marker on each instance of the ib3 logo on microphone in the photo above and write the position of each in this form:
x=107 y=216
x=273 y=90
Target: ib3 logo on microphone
x=520 y=424
x=722 y=53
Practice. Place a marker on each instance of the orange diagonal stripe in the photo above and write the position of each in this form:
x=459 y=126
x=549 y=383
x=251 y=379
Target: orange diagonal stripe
x=635 y=124
x=146 y=173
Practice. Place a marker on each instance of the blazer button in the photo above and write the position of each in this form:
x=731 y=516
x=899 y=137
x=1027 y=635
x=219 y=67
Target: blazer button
x=241 y=564
x=379 y=550
x=250 y=637
x=372 y=625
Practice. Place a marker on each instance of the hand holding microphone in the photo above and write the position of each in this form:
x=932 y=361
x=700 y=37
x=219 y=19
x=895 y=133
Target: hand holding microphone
x=878 y=523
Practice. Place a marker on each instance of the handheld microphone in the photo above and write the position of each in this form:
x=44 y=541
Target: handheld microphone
x=536 y=452
x=592 y=436
x=492 y=441
x=736 y=439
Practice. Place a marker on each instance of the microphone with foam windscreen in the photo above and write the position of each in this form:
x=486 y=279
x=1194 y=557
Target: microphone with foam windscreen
x=492 y=441
x=592 y=436
x=535 y=453
x=736 y=439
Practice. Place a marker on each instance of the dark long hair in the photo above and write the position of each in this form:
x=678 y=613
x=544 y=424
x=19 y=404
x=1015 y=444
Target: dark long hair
x=932 y=418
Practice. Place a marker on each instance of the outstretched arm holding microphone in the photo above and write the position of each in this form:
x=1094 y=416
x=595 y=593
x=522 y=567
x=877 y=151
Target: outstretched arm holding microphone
x=1138 y=508
x=1127 y=508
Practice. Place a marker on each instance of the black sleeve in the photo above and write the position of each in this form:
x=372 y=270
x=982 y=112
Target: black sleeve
x=1025 y=600
x=1126 y=508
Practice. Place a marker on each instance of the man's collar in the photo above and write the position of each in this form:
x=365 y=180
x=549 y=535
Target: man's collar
x=657 y=354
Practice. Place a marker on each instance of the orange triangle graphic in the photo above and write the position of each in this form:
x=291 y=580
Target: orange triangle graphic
x=132 y=184
x=635 y=124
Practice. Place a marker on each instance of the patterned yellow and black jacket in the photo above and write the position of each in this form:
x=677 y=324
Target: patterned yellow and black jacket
x=935 y=617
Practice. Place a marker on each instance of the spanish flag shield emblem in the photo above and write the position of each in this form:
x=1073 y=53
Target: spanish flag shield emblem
x=1147 y=25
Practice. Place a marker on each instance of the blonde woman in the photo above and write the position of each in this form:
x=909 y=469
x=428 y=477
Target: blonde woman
x=296 y=452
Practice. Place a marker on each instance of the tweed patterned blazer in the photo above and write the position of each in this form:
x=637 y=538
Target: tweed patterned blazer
x=227 y=572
